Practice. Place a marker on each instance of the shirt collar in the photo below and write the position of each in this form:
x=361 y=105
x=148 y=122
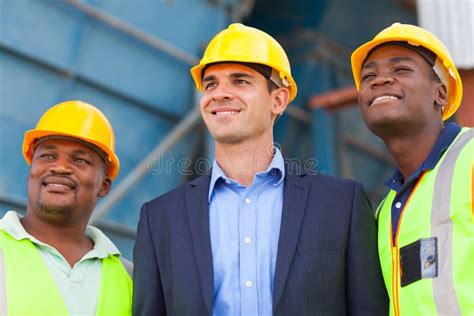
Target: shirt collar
x=447 y=136
x=103 y=246
x=277 y=167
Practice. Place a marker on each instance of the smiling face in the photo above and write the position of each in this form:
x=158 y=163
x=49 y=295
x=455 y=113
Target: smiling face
x=66 y=178
x=236 y=104
x=398 y=92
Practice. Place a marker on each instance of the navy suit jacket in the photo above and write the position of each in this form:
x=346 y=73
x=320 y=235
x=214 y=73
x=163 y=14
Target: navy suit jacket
x=327 y=261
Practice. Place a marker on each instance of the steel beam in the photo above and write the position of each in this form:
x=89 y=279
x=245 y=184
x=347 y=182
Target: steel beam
x=134 y=32
x=66 y=73
x=134 y=176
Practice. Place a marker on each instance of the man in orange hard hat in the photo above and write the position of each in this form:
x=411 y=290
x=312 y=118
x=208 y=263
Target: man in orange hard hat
x=258 y=236
x=408 y=86
x=51 y=262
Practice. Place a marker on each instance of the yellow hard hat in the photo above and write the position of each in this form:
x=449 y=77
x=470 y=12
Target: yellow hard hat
x=75 y=119
x=415 y=36
x=244 y=44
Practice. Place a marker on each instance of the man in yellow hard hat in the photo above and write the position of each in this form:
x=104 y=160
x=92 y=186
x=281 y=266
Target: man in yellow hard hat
x=408 y=86
x=257 y=236
x=51 y=262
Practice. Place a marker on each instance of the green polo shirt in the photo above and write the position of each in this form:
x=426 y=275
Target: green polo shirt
x=79 y=285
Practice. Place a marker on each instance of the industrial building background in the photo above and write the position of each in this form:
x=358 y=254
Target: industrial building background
x=131 y=58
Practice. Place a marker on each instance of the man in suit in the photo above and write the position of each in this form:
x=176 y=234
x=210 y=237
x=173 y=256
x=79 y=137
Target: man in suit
x=257 y=236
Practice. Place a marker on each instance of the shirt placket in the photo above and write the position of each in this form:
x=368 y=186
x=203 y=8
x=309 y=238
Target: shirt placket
x=247 y=253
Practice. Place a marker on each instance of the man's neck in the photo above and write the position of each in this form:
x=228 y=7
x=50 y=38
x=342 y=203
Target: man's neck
x=69 y=240
x=241 y=162
x=409 y=152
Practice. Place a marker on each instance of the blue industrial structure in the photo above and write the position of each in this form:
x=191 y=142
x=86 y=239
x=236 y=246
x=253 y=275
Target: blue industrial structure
x=131 y=58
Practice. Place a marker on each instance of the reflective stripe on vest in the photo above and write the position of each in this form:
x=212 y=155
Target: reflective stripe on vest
x=439 y=206
x=3 y=289
x=443 y=285
x=32 y=290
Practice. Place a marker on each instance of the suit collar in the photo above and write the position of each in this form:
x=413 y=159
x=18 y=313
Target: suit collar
x=294 y=204
x=197 y=208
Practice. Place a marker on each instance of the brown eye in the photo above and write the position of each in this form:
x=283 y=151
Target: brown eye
x=47 y=156
x=402 y=69
x=209 y=85
x=82 y=161
x=240 y=82
x=367 y=76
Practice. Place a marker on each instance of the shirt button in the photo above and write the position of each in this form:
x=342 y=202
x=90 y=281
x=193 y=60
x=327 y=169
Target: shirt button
x=247 y=240
x=248 y=201
x=398 y=205
x=248 y=283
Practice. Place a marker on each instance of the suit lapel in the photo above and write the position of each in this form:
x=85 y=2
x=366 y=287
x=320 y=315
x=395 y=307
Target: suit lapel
x=294 y=201
x=198 y=217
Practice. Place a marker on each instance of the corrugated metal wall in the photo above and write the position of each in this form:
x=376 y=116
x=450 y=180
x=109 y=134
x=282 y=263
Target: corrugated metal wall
x=453 y=22
x=51 y=51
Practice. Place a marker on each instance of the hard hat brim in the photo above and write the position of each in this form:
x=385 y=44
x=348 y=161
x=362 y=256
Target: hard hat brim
x=196 y=73
x=32 y=135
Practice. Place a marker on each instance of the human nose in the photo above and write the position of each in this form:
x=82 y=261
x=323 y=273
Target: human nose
x=382 y=80
x=222 y=92
x=61 y=166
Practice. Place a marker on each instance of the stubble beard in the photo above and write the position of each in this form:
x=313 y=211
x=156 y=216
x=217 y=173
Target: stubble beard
x=63 y=210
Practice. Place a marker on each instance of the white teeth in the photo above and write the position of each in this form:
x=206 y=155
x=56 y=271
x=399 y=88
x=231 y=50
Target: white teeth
x=226 y=112
x=383 y=98
x=59 y=185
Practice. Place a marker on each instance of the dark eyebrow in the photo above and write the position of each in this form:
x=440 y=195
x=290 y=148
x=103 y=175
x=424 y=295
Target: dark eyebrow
x=241 y=75
x=82 y=152
x=47 y=147
x=233 y=75
x=392 y=60
x=208 y=78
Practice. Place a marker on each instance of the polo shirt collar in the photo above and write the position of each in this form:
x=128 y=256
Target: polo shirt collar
x=103 y=246
x=446 y=138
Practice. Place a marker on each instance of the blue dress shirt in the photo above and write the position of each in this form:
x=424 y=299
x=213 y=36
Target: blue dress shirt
x=244 y=227
x=404 y=188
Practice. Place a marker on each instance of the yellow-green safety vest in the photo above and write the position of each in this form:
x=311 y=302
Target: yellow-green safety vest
x=27 y=288
x=441 y=206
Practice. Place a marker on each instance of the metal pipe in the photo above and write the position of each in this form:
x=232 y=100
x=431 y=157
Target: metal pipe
x=299 y=114
x=134 y=32
x=334 y=100
x=64 y=72
x=13 y=201
x=116 y=228
x=243 y=10
x=134 y=176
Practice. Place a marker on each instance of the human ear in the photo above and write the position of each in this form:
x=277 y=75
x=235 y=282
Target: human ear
x=441 y=95
x=280 y=98
x=105 y=187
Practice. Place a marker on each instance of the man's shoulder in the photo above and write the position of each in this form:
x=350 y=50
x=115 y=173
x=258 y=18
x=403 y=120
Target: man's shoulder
x=318 y=178
x=179 y=193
